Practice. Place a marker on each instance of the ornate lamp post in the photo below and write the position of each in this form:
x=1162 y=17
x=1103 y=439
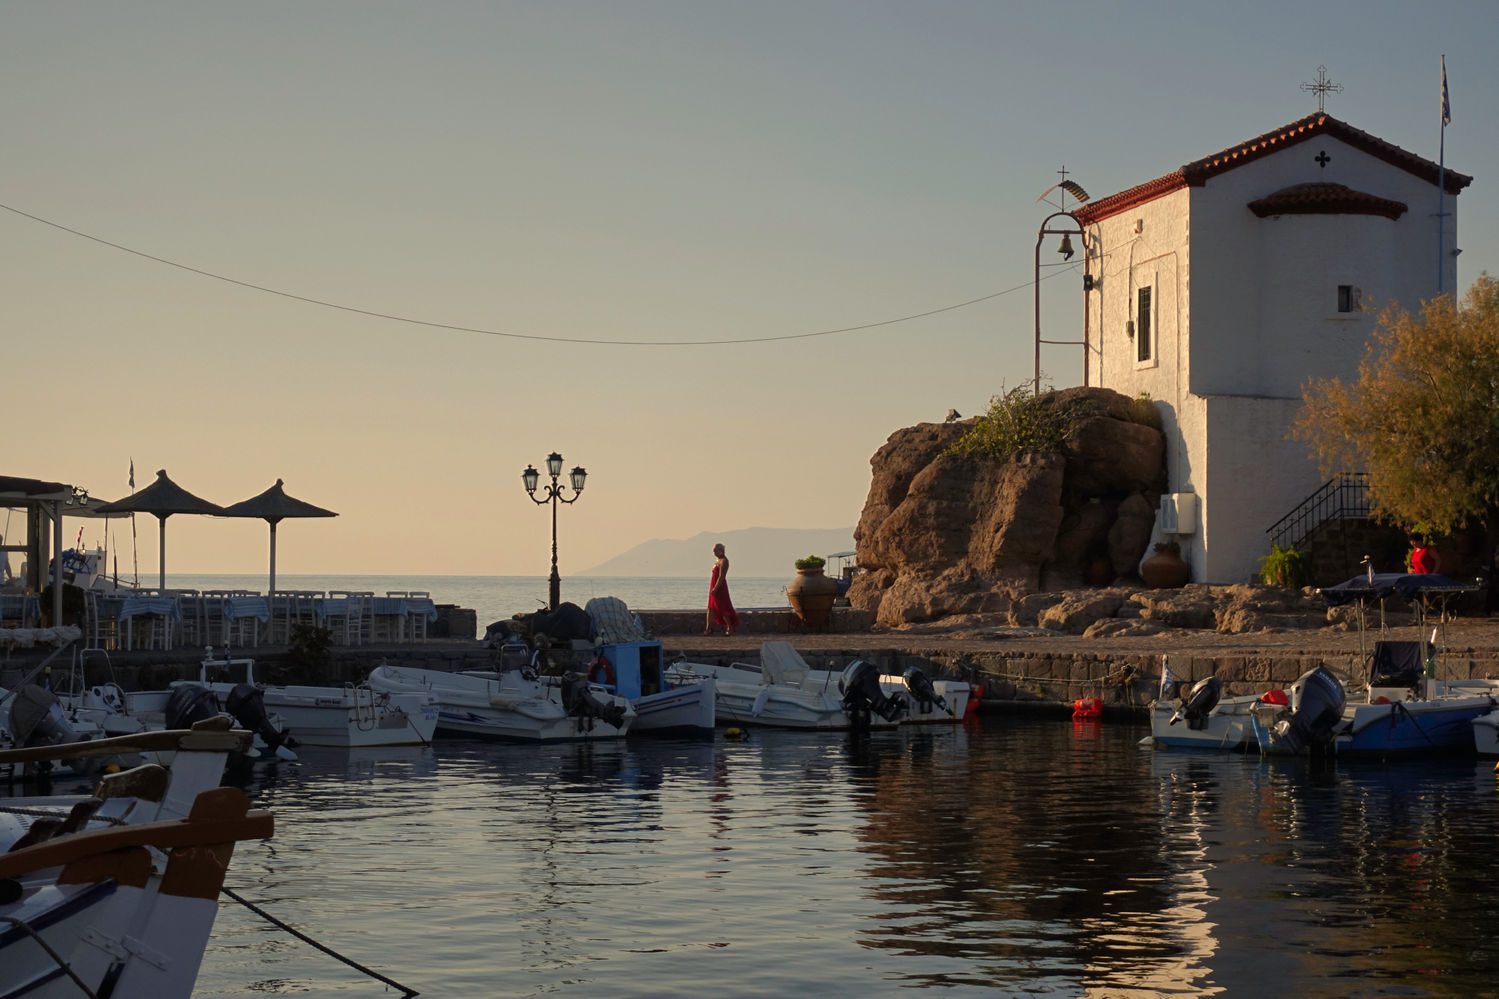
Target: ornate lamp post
x=553 y=494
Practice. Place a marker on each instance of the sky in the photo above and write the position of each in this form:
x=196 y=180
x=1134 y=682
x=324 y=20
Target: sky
x=581 y=175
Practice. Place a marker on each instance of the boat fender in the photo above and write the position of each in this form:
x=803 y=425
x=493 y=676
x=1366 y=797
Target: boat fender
x=735 y=733
x=1276 y=697
x=1087 y=707
x=975 y=694
x=601 y=671
x=759 y=704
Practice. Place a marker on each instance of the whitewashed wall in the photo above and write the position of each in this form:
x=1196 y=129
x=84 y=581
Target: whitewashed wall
x=1245 y=312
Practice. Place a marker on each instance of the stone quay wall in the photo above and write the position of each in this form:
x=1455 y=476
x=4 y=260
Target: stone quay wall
x=1031 y=679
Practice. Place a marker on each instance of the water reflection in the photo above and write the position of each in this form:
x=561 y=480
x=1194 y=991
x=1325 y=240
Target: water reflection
x=1025 y=856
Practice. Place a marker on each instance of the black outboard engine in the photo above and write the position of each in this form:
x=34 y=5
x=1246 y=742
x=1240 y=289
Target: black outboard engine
x=1199 y=702
x=36 y=719
x=923 y=694
x=862 y=696
x=583 y=704
x=246 y=702
x=189 y=704
x=1317 y=700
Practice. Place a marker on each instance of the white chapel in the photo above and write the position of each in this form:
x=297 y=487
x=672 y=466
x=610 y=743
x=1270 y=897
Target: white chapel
x=1223 y=286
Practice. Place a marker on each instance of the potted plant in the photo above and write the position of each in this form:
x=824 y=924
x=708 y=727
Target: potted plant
x=1165 y=570
x=1289 y=567
x=811 y=593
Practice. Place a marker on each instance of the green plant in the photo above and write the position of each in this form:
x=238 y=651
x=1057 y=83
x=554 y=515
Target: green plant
x=811 y=562
x=1169 y=547
x=1020 y=421
x=1289 y=567
x=309 y=651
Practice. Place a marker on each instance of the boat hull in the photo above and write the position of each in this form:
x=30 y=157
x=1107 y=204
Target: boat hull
x=1228 y=727
x=1440 y=725
x=688 y=709
x=1486 y=733
x=499 y=706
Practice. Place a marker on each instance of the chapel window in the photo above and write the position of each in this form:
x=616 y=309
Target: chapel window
x=1348 y=298
x=1142 y=326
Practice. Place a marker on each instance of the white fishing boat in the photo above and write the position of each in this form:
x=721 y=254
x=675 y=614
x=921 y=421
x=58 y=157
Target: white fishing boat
x=663 y=705
x=1202 y=718
x=928 y=702
x=784 y=692
x=347 y=717
x=516 y=704
x=116 y=893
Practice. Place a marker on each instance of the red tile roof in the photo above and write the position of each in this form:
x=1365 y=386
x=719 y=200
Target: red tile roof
x=1325 y=199
x=1198 y=172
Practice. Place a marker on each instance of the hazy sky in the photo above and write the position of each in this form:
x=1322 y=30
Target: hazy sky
x=604 y=171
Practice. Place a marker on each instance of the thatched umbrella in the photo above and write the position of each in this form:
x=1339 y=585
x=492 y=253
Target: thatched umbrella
x=161 y=499
x=274 y=506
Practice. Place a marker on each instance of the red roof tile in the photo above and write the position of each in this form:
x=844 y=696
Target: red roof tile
x=1325 y=199
x=1198 y=172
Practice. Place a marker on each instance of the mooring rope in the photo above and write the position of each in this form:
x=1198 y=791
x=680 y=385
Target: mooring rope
x=22 y=925
x=311 y=942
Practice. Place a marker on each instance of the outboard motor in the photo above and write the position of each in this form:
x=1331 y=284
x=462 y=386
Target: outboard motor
x=246 y=702
x=923 y=693
x=862 y=695
x=1317 y=700
x=1199 y=702
x=583 y=704
x=36 y=718
x=189 y=704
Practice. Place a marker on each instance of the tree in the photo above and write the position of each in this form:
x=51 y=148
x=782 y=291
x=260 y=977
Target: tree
x=1422 y=418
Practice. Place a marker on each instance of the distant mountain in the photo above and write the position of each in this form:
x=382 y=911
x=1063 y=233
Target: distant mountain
x=754 y=551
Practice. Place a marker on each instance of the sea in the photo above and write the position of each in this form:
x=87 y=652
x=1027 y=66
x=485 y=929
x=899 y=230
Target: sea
x=1014 y=855
x=497 y=598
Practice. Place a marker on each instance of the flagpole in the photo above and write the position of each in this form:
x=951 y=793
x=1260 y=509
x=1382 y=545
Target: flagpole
x=1442 y=184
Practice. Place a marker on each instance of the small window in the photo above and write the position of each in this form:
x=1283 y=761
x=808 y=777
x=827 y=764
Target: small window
x=1142 y=326
x=1348 y=298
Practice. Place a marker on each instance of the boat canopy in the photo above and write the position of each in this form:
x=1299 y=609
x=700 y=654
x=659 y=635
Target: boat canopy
x=1409 y=585
x=781 y=663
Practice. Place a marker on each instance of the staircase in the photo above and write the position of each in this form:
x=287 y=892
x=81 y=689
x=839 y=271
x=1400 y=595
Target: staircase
x=1335 y=528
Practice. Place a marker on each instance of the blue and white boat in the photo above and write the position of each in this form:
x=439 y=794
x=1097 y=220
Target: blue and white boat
x=663 y=704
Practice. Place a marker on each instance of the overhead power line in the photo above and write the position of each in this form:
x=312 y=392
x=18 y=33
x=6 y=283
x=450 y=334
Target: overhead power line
x=452 y=327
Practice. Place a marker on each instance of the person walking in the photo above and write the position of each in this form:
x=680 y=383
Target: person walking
x=721 y=611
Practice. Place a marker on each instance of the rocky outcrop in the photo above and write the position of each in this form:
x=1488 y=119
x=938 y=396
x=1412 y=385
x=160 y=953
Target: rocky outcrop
x=944 y=535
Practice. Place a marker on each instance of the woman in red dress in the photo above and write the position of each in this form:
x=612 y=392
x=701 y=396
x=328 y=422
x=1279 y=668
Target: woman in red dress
x=720 y=608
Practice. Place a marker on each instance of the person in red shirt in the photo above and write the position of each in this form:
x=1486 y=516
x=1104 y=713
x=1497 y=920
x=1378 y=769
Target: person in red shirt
x=1423 y=557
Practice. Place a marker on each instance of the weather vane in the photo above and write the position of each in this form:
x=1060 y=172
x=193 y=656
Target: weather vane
x=1322 y=87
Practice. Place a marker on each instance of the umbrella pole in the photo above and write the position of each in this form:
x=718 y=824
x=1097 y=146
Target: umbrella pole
x=57 y=564
x=161 y=556
x=272 y=594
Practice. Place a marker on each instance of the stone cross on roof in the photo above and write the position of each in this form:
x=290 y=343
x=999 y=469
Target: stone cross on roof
x=1322 y=87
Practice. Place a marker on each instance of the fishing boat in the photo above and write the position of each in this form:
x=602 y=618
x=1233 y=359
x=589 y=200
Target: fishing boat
x=784 y=692
x=347 y=717
x=927 y=701
x=514 y=703
x=115 y=893
x=663 y=704
x=1202 y=718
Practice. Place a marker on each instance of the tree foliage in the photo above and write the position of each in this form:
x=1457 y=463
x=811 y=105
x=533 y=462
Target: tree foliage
x=1422 y=418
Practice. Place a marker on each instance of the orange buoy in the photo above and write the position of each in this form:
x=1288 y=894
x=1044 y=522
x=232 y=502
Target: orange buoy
x=1087 y=707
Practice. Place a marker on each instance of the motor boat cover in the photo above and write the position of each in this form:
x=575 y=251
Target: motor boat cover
x=781 y=663
x=1317 y=701
x=1199 y=702
x=1395 y=664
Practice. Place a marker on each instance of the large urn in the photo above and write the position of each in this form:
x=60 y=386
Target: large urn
x=1165 y=570
x=811 y=596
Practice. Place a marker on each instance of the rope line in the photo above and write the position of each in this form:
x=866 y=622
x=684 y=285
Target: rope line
x=22 y=925
x=454 y=328
x=311 y=942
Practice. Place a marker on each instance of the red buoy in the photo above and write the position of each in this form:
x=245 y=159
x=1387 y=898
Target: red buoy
x=1087 y=707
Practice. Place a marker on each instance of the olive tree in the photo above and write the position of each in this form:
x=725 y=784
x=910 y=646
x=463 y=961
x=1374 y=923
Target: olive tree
x=1422 y=417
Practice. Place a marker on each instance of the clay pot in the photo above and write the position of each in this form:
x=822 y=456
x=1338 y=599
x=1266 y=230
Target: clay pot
x=1165 y=570
x=811 y=595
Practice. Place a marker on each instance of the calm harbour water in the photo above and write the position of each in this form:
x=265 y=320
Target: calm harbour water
x=498 y=597
x=1020 y=856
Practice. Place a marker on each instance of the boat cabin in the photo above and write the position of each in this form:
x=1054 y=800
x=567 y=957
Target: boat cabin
x=637 y=666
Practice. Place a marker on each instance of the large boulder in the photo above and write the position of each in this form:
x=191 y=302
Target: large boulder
x=944 y=534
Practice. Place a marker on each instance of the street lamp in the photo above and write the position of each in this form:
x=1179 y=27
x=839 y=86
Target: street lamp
x=553 y=494
x=1066 y=232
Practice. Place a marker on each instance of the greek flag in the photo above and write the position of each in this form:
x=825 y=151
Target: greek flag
x=1446 y=101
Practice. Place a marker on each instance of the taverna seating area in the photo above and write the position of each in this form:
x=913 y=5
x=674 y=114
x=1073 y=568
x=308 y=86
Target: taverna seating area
x=166 y=618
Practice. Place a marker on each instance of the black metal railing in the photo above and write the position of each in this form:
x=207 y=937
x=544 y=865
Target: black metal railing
x=1344 y=495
